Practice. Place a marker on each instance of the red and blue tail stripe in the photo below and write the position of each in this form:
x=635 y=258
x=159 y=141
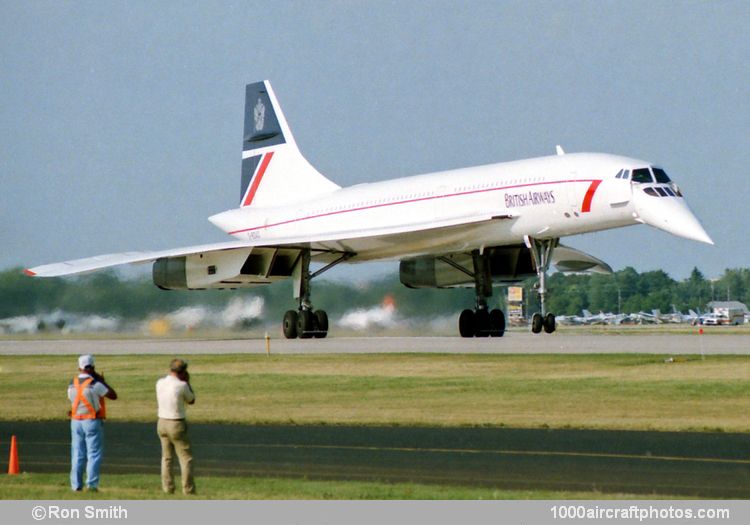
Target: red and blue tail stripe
x=254 y=167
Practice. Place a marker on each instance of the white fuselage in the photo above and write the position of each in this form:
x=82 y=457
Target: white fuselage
x=548 y=197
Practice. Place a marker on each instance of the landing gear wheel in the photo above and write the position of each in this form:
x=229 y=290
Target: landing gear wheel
x=290 y=324
x=549 y=323
x=321 y=324
x=497 y=323
x=466 y=323
x=305 y=326
x=536 y=323
x=482 y=320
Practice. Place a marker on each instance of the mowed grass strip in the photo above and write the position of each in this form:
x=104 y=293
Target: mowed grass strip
x=38 y=486
x=575 y=391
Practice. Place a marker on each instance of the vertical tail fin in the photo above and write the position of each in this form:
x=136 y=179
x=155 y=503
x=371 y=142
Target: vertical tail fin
x=274 y=172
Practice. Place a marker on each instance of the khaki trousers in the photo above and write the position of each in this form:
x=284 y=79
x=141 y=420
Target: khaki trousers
x=173 y=436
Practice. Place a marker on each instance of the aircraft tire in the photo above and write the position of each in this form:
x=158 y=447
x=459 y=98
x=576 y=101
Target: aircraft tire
x=549 y=323
x=482 y=320
x=466 y=324
x=497 y=323
x=536 y=323
x=321 y=324
x=305 y=324
x=289 y=324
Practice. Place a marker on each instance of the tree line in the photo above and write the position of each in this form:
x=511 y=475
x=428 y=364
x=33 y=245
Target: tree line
x=626 y=291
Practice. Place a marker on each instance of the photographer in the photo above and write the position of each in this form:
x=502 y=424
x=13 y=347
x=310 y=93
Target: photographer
x=86 y=393
x=172 y=392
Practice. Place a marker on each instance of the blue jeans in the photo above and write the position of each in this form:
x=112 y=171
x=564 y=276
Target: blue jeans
x=86 y=449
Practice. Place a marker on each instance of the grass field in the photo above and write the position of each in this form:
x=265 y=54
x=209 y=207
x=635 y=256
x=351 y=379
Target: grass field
x=137 y=486
x=556 y=391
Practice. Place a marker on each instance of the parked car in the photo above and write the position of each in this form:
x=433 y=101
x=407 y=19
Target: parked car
x=710 y=320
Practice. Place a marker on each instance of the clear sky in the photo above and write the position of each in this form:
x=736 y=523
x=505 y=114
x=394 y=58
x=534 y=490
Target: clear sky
x=121 y=122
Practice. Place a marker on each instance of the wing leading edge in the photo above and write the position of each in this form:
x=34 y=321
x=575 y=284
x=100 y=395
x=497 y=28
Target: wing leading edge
x=99 y=262
x=374 y=244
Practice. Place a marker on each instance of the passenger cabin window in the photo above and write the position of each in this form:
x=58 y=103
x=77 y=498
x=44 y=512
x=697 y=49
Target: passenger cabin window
x=661 y=176
x=642 y=175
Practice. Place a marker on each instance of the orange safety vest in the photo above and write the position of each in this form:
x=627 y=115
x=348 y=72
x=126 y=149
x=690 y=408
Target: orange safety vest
x=80 y=398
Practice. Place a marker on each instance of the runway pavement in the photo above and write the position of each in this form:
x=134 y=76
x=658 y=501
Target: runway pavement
x=704 y=465
x=513 y=342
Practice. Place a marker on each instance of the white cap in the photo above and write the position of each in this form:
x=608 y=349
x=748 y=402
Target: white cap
x=85 y=360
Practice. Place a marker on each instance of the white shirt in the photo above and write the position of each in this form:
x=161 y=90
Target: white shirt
x=92 y=394
x=171 y=395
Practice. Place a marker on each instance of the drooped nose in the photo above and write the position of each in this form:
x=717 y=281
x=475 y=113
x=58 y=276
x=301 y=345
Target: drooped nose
x=671 y=214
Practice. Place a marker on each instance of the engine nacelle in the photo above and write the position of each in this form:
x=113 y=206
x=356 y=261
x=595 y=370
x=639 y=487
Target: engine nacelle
x=199 y=271
x=231 y=268
x=169 y=273
x=508 y=264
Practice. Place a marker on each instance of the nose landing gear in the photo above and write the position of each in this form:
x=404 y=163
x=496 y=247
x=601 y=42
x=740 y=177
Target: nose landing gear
x=541 y=254
x=546 y=323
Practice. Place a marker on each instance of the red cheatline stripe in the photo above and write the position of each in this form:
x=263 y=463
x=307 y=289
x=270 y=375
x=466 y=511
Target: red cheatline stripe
x=256 y=180
x=586 y=207
x=29 y=272
x=408 y=201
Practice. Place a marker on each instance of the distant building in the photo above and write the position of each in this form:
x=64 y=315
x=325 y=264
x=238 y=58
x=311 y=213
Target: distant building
x=727 y=305
x=729 y=312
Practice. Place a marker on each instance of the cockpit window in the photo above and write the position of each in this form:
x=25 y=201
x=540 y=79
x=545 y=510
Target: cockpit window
x=642 y=175
x=661 y=176
x=660 y=191
x=623 y=174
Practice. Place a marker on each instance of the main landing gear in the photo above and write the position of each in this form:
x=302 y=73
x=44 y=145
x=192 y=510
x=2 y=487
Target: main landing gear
x=480 y=322
x=541 y=255
x=306 y=322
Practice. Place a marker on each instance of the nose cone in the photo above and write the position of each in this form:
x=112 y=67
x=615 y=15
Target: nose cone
x=670 y=214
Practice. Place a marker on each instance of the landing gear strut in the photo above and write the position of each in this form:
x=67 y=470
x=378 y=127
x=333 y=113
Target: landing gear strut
x=480 y=322
x=541 y=254
x=305 y=322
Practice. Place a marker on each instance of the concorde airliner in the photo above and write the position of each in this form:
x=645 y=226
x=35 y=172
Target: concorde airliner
x=477 y=226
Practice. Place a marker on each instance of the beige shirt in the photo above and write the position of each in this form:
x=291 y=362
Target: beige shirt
x=171 y=395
